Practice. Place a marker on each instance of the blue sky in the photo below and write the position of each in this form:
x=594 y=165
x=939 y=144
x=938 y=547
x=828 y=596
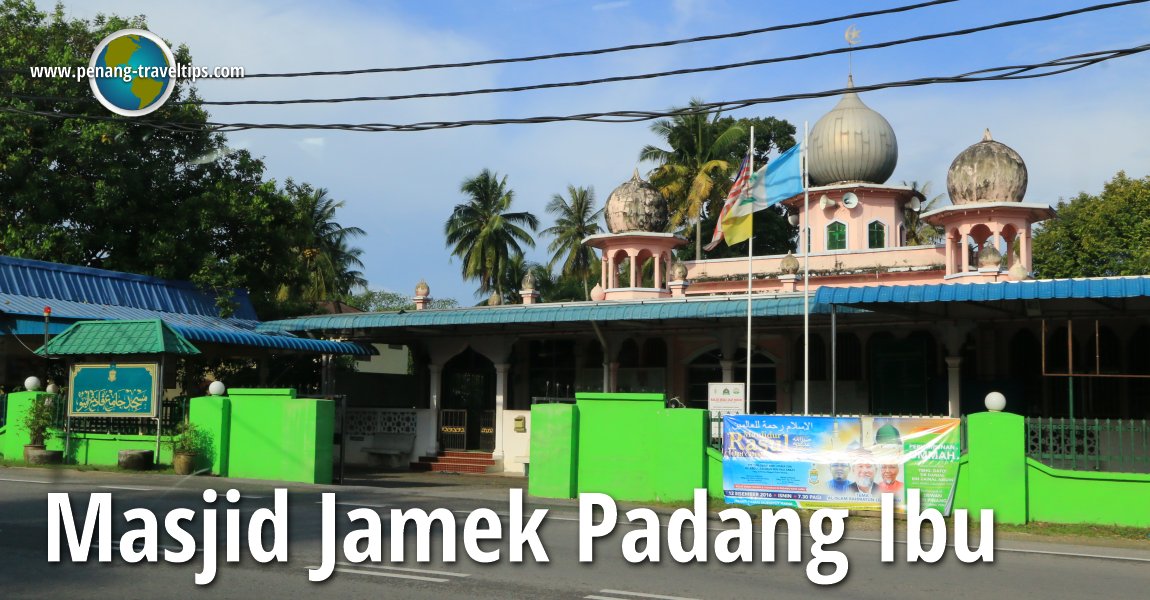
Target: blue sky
x=1074 y=131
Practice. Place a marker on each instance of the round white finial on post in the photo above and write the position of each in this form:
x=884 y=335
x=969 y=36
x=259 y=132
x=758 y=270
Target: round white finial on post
x=217 y=388
x=995 y=402
x=52 y=388
x=32 y=384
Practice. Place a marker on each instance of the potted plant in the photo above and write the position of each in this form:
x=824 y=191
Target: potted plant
x=188 y=446
x=40 y=416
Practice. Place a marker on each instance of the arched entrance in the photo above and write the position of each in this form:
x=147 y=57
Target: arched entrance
x=467 y=419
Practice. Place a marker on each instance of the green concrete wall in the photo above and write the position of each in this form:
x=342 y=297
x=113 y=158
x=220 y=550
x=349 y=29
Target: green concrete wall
x=104 y=449
x=1059 y=496
x=554 y=447
x=212 y=415
x=680 y=458
x=16 y=435
x=274 y=435
x=996 y=455
x=632 y=448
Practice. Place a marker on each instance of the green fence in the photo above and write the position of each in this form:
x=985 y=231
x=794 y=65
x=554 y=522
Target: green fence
x=1104 y=445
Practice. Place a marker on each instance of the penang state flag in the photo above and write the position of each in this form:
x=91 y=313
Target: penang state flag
x=779 y=180
x=740 y=193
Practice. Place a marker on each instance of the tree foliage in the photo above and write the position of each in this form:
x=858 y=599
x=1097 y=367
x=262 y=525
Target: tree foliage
x=484 y=235
x=104 y=191
x=696 y=173
x=387 y=301
x=576 y=218
x=1098 y=236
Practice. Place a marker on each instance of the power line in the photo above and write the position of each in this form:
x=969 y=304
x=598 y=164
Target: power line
x=705 y=38
x=709 y=69
x=1001 y=73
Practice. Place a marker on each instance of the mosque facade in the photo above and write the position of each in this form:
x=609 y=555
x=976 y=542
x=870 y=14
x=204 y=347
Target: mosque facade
x=478 y=370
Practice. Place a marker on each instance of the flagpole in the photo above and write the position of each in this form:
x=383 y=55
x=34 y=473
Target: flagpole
x=750 y=275
x=806 y=243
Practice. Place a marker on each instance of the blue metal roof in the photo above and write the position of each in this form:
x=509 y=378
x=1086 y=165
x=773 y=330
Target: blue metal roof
x=40 y=279
x=645 y=310
x=83 y=293
x=1040 y=289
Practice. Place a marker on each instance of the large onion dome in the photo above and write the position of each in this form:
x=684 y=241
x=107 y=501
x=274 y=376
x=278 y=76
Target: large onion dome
x=988 y=171
x=852 y=143
x=636 y=206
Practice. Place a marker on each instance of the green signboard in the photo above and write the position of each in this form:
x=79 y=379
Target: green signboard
x=113 y=390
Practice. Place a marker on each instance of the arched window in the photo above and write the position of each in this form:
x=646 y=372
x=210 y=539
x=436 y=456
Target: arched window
x=837 y=236
x=876 y=234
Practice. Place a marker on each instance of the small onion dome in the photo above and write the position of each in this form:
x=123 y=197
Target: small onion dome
x=495 y=299
x=989 y=258
x=636 y=206
x=1018 y=272
x=679 y=272
x=790 y=264
x=988 y=171
x=597 y=293
x=528 y=283
x=852 y=143
x=421 y=289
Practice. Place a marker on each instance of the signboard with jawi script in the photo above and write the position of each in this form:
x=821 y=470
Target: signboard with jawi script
x=113 y=390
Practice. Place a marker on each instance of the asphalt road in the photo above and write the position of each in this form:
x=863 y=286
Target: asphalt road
x=1021 y=569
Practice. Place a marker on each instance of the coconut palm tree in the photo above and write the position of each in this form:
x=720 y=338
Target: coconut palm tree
x=329 y=264
x=696 y=170
x=575 y=219
x=919 y=232
x=484 y=235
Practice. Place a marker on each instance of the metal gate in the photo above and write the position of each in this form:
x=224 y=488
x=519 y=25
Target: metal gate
x=453 y=429
x=487 y=431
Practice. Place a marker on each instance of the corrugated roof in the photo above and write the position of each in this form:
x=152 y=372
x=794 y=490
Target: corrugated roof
x=1040 y=289
x=690 y=308
x=83 y=293
x=119 y=337
x=40 y=279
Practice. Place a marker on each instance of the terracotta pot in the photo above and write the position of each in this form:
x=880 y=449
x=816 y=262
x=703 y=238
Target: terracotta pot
x=38 y=455
x=184 y=463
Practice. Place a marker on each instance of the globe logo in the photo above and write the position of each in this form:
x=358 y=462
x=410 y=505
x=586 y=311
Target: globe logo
x=131 y=72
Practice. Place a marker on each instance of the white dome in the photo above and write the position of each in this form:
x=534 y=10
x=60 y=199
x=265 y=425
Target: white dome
x=852 y=143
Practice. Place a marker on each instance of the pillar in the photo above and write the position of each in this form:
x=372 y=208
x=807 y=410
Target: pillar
x=1024 y=247
x=613 y=374
x=501 y=370
x=949 y=255
x=964 y=249
x=658 y=283
x=954 y=385
x=634 y=269
x=431 y=445
x=996 y=459
x=728 y=370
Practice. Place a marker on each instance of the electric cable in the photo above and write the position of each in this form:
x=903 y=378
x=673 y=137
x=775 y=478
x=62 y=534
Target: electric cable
x=1001 y=73
x=709 y=69
x=663 y=44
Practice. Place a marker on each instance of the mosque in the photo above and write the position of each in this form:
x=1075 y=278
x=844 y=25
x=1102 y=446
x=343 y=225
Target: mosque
x=893 y=328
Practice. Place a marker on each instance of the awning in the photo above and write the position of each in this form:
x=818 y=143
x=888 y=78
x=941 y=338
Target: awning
x=25 y=318
x=1096 y=297
x=708 y=308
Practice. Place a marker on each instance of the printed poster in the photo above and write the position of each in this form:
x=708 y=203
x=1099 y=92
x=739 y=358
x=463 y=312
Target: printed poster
x=839 y=462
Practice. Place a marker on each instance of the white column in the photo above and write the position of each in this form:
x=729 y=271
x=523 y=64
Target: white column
x=1024 y=248
x=953 y=384
x=500 y=397
x=949 y=255
x=728 y=370
x=431 y=445
x=634 y=270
